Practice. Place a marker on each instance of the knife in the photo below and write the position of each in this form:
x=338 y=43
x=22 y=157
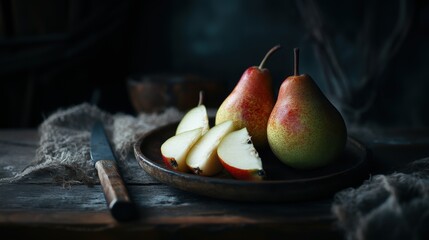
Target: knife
x=118 y=201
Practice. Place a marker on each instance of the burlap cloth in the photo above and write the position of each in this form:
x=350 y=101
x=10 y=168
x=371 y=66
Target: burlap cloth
x=63 y=152
x=394 y=206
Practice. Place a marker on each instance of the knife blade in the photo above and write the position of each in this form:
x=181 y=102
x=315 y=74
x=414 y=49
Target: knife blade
x=117 y=198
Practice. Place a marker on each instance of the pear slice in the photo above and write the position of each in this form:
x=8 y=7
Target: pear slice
x=195 y=118
x=239 y=157
x=202 y=158
x=175 y=149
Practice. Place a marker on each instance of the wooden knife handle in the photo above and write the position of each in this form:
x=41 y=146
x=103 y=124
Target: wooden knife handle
x=115 y=192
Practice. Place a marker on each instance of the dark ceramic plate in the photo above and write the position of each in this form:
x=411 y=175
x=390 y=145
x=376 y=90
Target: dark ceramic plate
x=282 y=184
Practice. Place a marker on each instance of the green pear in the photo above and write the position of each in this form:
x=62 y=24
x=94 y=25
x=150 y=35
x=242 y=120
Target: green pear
x=305 y=131
x=250 y=103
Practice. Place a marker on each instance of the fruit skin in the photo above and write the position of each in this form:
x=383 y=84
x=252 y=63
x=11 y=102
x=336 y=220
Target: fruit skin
x=249 y=104
x=240 y=141
x=247 y=175
x=305 y=130
x=202 y=159
x=175 y=159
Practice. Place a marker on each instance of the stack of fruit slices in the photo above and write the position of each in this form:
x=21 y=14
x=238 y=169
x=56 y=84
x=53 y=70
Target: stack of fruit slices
x=207 y=151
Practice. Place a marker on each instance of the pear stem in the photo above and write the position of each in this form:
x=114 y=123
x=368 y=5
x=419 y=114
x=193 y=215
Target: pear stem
x=201 y=98
x=296 y=61
x=269 y=53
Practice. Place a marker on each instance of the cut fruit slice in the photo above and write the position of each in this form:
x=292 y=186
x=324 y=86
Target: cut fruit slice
x=175 y=149
x=195 y=118
x=202 y=158
x=239 y=157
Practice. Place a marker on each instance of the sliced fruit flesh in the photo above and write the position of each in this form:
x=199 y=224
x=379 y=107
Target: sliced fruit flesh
x=195 y=118
x=202 y=158
x=237 y=150
x=177 y=147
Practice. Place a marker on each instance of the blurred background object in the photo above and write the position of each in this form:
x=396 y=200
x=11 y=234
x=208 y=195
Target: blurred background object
x=369 y=57
x=154 y=93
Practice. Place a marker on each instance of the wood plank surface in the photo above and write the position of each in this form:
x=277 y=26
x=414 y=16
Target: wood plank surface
x=157 y=200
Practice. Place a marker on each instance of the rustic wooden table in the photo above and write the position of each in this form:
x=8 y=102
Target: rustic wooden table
x=38 y=207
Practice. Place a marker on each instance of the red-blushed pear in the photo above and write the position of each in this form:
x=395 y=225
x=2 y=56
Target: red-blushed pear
x=202 y=158
x=250 y=103
x=175 y=149
x=239 y=157
x=305 y=130
x=195 y=118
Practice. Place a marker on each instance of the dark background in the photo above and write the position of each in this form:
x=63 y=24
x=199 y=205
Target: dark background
x=369 y=57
